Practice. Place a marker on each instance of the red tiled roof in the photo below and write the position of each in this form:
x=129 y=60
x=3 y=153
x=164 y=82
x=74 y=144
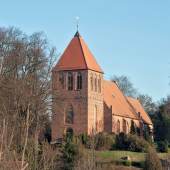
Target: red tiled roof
x=138 y=107
x=77 y=56
x=115 y=98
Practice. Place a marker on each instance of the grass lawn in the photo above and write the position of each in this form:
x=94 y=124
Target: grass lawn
x=108 y=156
x=116 y=155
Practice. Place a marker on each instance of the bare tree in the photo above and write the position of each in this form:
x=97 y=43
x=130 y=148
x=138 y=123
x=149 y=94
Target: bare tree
x=25 y=92
x=147 y=103
x=125 y=85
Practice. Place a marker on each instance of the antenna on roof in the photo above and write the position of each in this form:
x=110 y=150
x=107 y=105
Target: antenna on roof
x=77 y=22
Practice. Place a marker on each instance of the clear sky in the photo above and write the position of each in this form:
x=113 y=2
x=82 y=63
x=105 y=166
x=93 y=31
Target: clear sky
x=127 y=37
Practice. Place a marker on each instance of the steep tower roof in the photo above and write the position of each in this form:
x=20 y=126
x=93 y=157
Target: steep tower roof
x=77 y=56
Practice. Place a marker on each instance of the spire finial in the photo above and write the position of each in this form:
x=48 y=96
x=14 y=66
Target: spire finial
x=77 y=23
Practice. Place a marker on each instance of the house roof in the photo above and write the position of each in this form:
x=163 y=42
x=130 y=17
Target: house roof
x=77 y=56
x=115 y=98
x=138 y=107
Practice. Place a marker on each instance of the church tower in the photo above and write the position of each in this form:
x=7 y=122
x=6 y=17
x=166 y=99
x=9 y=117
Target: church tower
x=77 y=85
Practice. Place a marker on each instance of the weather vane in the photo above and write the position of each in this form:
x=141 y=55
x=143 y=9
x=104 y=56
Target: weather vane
x=77 y=22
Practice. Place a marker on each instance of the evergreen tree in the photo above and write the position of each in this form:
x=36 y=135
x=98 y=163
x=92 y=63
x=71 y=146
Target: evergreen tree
x=69 y=153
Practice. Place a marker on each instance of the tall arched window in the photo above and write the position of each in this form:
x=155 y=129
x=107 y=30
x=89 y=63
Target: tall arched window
x=91 y=82
x=133 y=129
x=99 y=85
x=70 y=81
x=124 y=126
x=95 y=84
x=79 y=81
x=69 y=115
x=61 y=79
x=128 y=129
x=95 y=119
x=118 y=126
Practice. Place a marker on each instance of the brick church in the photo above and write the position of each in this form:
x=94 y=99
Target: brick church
x=84 y=102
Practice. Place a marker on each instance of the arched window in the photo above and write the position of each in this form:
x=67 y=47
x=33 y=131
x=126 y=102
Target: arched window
x=79 y=81
x=69 y=117
x=124 y=126
x=70 y=81
x=91 y=82
x=133 y=129
x=61 y=79
x=95 y=84
x=95 y=119
x=128 y=129
x=118 y=126
x=99 y=85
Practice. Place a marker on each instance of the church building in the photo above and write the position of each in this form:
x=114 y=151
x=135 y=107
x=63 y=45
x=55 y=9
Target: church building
x=84 y=102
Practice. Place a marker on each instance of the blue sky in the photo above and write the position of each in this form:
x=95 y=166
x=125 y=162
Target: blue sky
x=127 y=37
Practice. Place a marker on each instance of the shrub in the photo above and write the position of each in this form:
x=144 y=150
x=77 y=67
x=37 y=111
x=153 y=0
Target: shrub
x=123 y=162
x=162 y=146
x=131 y=143
x=152 y=160
x=84 y=138
x=101 y=141
x=122 y=141
x=137 y=144
x=69 y=153
x=138 y=164
x=104 y=141
x=127 y=163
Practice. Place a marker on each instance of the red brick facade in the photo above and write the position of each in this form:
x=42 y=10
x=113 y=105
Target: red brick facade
x=81 y=100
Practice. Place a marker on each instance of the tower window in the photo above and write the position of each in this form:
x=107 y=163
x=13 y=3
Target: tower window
x=69 y=115
x=61 y=80
x=79 y=81
x=99 y=85
x=91 y=82
x=70 y=81
x=95 y=84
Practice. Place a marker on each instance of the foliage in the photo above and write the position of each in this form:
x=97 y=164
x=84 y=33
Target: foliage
x=101 y=141
x=131 y=143
x=152 y=160
x=137 y=144
x=25 y=97
x=104 y=141
x=147 y=135
x=84 y=138
x=162 y=146
x=124 y=162
x=161 y=123
x=122 y=142
x=69 y=153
